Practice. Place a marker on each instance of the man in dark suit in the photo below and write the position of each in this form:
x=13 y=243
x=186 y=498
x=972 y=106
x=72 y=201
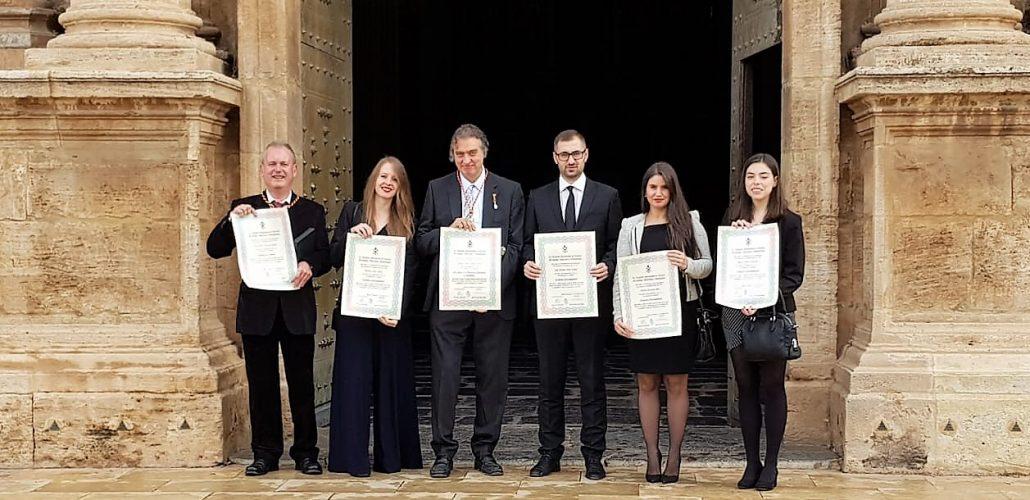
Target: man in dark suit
x=469 y=199
x=573 y=203
x=267 y=319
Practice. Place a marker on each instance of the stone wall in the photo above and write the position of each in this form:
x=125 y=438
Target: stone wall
x=811 y=65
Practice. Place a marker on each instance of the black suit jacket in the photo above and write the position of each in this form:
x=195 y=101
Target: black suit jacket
x=256 y=309
x=353 y=213
x=600 y=212
x=443 y=204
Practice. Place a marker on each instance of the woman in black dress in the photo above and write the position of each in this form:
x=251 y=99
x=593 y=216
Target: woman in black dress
x=667 y=224
x=759 y=200
x=373 y=361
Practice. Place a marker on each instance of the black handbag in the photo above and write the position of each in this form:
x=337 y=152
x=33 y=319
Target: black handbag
x=705 y=323
x=770 y=337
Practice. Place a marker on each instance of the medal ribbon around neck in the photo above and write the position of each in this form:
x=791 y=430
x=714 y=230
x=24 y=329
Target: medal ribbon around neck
x=467 y=199
x=268 y=201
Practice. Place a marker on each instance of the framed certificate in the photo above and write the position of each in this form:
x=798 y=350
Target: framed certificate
x=565 y=288
x=470 y=269
x=650 y=295
x=373 y=277
x=748 y=266
x=264 y=249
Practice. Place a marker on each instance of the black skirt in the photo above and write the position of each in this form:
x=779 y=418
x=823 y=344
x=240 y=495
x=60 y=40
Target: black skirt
x=669 y=355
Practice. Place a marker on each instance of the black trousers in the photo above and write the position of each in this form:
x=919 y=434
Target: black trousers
x=491 y=342
x=373 y=364
x=261 y=357
x=587 y=338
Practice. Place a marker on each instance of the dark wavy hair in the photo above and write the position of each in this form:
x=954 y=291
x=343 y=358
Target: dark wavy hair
x=681 y=228
x=742 y=207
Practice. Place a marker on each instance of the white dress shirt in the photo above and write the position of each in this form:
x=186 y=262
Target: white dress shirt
x=286 y=201
x=478 y=197
x=577 y=187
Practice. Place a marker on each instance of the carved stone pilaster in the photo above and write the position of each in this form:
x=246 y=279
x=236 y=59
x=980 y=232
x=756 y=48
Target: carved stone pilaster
x=933 y=232
x=23 y=24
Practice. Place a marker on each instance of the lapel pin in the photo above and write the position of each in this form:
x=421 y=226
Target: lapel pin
x=495 y=201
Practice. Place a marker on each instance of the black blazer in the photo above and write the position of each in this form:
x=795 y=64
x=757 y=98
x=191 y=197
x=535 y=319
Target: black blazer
x=792 y=257
x=353 y=213
x=600 y=212
x=443 y=204
x=256 y=309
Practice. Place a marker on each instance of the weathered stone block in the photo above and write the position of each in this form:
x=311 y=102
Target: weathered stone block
x=948 y=175
x=15 y=430
x=932 y=264
x=128 y=430
x=13 y=185
x=1001 y=264
x=888 y=433
x=973 y=440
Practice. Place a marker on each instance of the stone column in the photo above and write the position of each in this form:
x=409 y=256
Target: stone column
x=118 y=157
x=130 y=35
x=934 y=375
x=23 y=25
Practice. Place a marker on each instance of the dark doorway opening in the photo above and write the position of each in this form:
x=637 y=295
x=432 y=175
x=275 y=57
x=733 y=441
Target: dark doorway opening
x=763 y=77
x=643 y=80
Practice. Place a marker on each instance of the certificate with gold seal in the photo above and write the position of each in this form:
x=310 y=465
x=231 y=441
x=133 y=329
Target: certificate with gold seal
x=565 y=288
x=748 y=266
x=373 y=277
x=470 y=269
x=264 y=249
x=649 y=293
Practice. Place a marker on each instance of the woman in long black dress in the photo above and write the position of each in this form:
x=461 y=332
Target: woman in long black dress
x=666 y=224
x=373 y=361
x=759 y=200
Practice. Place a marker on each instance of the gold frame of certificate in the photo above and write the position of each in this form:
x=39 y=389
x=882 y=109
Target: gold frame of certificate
x=649 y=292
x=565 y=288
x=264 y=249
x=373 y=277
x=748 y=266
x=470 y=269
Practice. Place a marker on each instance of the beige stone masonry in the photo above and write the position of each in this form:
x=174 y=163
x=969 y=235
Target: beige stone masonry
x=932 y=376
x=114 y=349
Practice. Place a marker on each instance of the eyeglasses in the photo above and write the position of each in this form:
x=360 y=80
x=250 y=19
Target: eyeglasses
x=576 y=155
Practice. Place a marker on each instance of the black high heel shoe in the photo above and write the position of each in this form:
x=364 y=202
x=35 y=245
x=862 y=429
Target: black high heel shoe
x=767 y=480
x=671 y=478
x=654 y=478
x=750 y=477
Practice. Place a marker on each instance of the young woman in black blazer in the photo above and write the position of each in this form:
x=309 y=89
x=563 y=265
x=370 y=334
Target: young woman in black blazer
x=373 y=360
x=759 y=200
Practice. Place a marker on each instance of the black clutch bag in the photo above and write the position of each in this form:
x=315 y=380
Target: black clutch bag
x=770 y=337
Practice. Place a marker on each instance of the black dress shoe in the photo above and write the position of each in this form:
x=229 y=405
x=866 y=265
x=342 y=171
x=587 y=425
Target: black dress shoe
x=309 y=466
x=750 y=477
x=767 y=480
x=261 y=466
x=441 y=468
x=595 y=469
x=545 y=466
x=489 y=466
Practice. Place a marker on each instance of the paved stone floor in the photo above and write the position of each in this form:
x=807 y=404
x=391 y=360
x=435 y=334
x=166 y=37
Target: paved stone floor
x=229 y=483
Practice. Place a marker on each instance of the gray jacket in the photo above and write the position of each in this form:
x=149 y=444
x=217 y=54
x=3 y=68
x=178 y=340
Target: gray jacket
x=629 y=244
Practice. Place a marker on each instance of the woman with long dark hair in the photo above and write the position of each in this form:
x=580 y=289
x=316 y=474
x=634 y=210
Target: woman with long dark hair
x=758 y=199
x=373 y=361
x=666 y=224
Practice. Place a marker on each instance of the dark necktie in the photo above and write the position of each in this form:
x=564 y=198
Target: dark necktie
x=570 y=210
